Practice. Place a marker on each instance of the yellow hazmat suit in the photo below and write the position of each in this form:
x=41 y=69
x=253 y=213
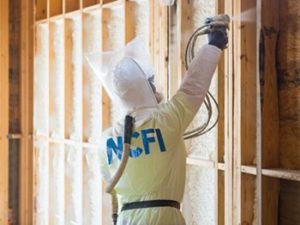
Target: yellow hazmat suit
x=157 y=164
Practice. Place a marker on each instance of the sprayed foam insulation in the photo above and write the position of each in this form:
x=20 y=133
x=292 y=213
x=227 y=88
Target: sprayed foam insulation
x=41 y=80
x=200 y=194
x=56 y=80
x=92 y=93
x=42 y=182
x=116 y=30
x=199 y=197
x=73 y=185
x=92 y=97
x=205 y=146
x=141 y=12
x=73 y=154
x=76 y=113
x=56 y=123
x=41 y=112
x=91 y=187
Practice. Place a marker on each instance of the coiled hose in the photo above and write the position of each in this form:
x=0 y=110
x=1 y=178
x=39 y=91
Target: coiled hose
x=209 y=101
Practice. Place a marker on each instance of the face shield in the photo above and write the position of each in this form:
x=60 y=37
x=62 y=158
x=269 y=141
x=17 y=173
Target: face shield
x=125 y=75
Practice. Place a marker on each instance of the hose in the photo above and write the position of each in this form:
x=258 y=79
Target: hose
x=209 y=101
x=115 y=179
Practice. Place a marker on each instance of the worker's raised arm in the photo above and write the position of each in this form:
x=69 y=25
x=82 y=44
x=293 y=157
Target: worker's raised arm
x=185 y=103
x=200 y=72
x=199 y=75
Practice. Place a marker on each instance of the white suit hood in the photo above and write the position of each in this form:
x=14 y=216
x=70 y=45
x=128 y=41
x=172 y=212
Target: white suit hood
x=124 y=74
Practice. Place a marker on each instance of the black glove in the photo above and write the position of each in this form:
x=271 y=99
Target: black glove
x=218 y=38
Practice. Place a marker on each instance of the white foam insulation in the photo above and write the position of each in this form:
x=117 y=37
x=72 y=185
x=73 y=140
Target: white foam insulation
x=73 y=154
x=199 y=201
x=92 y=39
x=41 y=112
x=56 y=124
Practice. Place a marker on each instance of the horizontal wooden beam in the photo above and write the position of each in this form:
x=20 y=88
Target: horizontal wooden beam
x=282 y=174
x=249 y=170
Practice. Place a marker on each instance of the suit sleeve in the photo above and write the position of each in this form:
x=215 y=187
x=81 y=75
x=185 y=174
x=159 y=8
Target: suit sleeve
x=183 y=106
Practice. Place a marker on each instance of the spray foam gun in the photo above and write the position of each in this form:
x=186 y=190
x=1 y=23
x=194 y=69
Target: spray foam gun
x=128 y=127
x=220 y=23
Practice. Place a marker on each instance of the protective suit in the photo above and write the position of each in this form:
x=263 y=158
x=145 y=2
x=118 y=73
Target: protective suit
x=157 y=164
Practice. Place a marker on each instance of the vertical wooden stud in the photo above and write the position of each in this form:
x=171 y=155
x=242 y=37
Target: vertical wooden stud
x=228 y=112
x=219 y=158
x=4 y=118
x=26 y=154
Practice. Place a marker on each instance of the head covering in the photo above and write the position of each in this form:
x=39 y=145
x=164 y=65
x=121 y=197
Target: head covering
x=124 y=73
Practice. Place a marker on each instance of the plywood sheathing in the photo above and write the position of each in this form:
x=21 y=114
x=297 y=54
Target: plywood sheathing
x=289 y=203
x=288 y=61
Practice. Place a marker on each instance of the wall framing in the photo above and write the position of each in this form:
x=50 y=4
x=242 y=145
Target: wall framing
x=238 y=171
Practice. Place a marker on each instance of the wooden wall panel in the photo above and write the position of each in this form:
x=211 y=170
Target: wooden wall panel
x=71 y=5
x=289 y=88
x=41 y=9
x=56 y=7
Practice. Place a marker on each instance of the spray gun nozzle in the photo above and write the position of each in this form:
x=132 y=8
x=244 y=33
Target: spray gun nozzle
x=217 y=22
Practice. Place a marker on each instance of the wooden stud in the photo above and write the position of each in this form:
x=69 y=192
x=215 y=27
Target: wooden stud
x=221 y=199
x=160 y=47
x=228 y=113
x=244 y=106
x=26 y=153
x=249 y=170
x=174 y=36
x=282 y=174
x=130 y=20
x=4 y=111
x=219 y=156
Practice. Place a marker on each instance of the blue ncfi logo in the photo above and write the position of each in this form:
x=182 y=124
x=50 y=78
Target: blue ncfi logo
x=148 y=136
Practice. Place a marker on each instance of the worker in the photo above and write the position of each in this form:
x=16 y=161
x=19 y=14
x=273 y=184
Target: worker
x=151 y=188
